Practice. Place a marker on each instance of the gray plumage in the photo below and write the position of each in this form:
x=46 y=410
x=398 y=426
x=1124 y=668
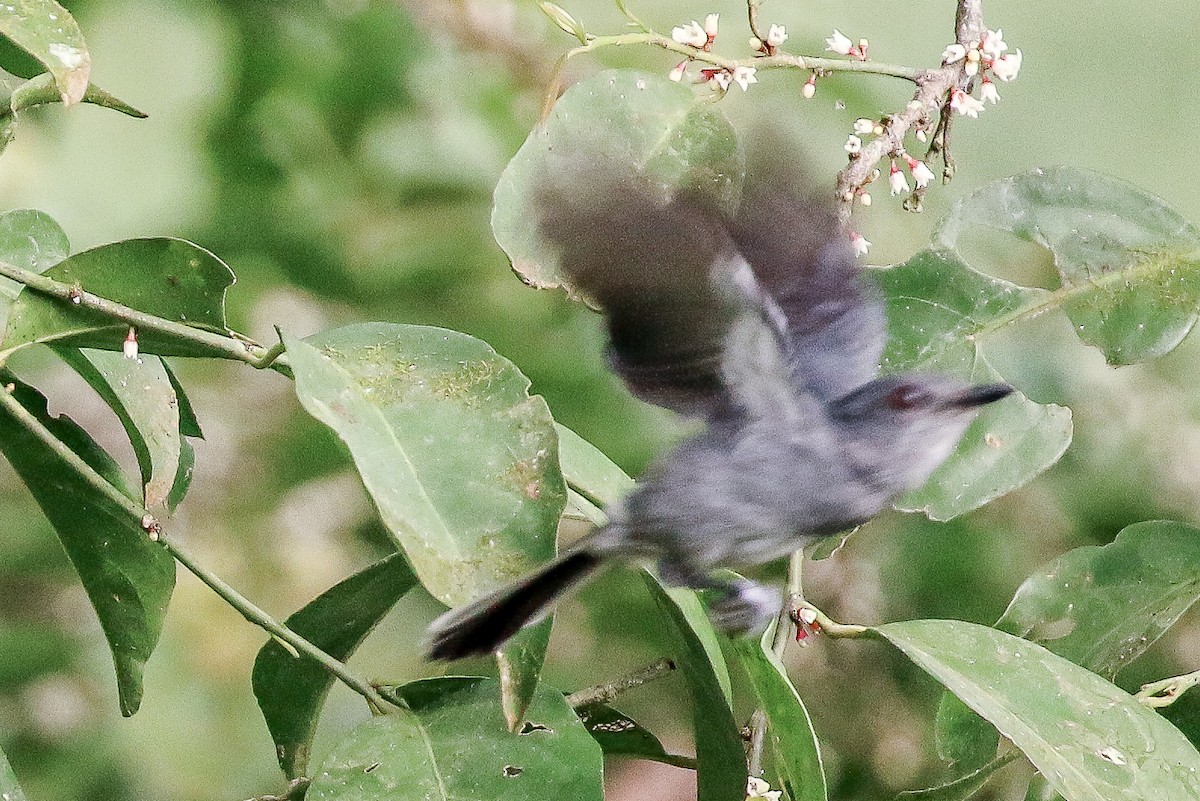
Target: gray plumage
x=762 y=324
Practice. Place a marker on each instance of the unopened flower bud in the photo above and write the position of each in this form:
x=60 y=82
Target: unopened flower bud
x=810 y=87
x=710 y=25
x=863 y=126
x=676 y=73
x=130 y=346
x=853 y=145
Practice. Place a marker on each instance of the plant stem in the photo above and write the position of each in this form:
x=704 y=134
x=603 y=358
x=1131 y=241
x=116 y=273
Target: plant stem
x=227 y=346
x=154 y=530
x=1164 y=692
x=603 y=693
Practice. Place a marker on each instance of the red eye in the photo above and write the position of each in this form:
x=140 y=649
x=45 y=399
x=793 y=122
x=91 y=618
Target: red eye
x=904 y=398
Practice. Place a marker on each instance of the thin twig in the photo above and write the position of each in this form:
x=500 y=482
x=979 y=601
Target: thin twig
x=1164 y=692
x=603 y=693
x=154 y=531
x=74 y=296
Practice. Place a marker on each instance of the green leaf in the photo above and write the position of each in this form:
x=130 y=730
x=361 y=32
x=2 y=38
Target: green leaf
x=1091 y=740
x=720 y=755
x=458 y=457
x=9 y=789
x=965 y=740
x=519 y=663
x=291 y=689
x=623 y=117
x=1129 y=264
x=49 y=33
x=128 y=578
x=143 y=396
x=789 y=729
x=169 y=278
x=620 y=735
x=960 y=789
x=1040 y=790
x=588 y=471
x=1102 y=606
x=937 y=309
x=452 y=743
x=189 y=426
x=31 y=240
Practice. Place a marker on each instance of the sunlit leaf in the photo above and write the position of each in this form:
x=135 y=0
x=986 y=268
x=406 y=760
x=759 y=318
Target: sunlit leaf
x=588 y=471
x=169 y=278
x=458 y=457
x=291 y=689
x=143 y=396
x=789 y=729
x=453 y=743
x=128 y=578
x=49 y=33
x=937 y=310
x=31 y=240
x=620 y=117
x=1129 y=264
x=720 y=755
x=1091 y=740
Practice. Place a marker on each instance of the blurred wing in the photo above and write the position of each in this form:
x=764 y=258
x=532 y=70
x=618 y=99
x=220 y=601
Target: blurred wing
x=646 y=262
x=829 y=316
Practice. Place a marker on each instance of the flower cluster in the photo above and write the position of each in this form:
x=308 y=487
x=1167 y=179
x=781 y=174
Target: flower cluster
x=701 y=37
x=981 y=58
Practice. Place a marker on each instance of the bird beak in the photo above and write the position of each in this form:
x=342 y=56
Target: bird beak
x=980 y=396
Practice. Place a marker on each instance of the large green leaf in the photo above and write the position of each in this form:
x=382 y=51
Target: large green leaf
x=621 y=117
x=169 y=278
x=961 y=788
x=1129 y=264
x=1091 y=740
x=31 y=240
x=50 y=34
x=452 y=744
x=620 y=735
x=789 y=729
x=937 y=309
x=1102 y=606
x=144 y=397
x=720 y=754
x=458 y=457
x=9 y=789
x=128 y=578
x=1099 y=606
x=588 y=471
x=291 y=689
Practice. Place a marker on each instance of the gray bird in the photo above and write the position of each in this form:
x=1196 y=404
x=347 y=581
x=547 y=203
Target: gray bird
x=761 y=324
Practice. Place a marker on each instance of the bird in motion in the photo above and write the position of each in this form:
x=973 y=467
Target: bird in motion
x=762 y=324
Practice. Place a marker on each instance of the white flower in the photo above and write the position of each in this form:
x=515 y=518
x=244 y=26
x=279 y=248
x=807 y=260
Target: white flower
x=757 y=788
x=987 y=91
x=838 y=43
x=776 y=35
x=993 y=43
x=864 y=198
x=953 y=52
x=859 y=243
x=897 y=181
x=853 y=145
x=676 y=73
x=921 y=173
x=710 y=25
x=922 y=137
x=1007 y=66
x=810 y=87
x=690 y=34
x=964 y=104
x=720 y=80
x=130 y=346
x=744 y=76
x=863 y=126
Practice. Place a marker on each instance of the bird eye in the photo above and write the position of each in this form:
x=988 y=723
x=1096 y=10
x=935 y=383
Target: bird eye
x=906 y=397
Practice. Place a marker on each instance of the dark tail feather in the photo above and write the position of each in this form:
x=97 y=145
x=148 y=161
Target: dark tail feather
x=482 y=626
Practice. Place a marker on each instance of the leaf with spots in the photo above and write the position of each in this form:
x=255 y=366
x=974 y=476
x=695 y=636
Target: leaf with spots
x=1129 y=264
x=128 y=578
x=937 y=310
x=620 y=117
x=620 y=735
x=460 y=460
x=169 y=278
x=49 y=33
x=453 y=743
x=1091 y=740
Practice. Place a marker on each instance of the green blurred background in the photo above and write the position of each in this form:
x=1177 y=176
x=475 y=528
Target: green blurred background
x=340 y=157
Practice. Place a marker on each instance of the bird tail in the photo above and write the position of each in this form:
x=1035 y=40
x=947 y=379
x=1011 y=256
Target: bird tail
x=481 y=626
